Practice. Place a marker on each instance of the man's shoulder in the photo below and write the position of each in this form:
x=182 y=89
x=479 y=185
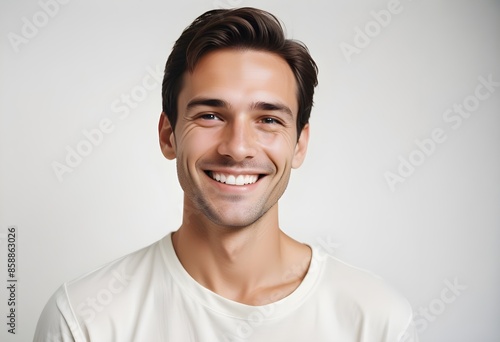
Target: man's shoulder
x=120 y=272
x=102 y=293
x=359 y=286
x=353 y=279
x=363 y=294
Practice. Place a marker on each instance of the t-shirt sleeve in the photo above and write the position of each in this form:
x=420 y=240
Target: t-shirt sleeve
x=57 y=323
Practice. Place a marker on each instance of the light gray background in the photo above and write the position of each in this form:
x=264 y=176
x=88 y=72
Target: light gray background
x=442 y=223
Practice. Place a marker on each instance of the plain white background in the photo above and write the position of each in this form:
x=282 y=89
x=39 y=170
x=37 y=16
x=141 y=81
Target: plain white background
x=440 y=223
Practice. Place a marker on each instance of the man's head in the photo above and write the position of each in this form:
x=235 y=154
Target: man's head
x=239 y=96
x=243 y=28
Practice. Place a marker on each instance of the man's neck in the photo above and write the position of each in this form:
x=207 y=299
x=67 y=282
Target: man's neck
x=254 y=265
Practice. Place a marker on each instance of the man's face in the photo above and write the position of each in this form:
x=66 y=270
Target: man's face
x=235 y=138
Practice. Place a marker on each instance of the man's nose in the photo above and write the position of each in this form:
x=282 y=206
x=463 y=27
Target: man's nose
x=238 y=140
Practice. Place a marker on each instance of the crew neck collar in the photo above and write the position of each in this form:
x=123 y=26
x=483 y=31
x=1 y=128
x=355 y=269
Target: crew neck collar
x=228 y=307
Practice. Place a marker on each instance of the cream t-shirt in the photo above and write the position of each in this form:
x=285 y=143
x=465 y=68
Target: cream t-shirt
x=148 y=296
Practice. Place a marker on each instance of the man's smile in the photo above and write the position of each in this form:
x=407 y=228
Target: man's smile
x=233 y=179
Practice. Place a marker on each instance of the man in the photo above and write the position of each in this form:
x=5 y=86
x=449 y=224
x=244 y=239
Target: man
x=237 y=97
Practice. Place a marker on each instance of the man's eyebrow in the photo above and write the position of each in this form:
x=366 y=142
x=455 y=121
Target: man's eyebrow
x=267 y=106
x=259 y=105
x=218 y=103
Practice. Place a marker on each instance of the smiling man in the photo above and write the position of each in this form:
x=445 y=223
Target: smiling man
x=237 y=96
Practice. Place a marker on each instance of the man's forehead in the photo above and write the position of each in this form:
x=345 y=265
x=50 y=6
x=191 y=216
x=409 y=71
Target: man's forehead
x=264 y=75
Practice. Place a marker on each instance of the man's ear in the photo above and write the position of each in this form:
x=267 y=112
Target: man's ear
x=301 y=148
x=166 y=135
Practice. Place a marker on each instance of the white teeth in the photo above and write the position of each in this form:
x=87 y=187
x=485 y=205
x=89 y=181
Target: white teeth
x=240 y=180
x=234 y=180
x=231 y=180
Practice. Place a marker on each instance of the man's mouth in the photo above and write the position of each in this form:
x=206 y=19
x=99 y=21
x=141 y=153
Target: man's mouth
x=233 y=179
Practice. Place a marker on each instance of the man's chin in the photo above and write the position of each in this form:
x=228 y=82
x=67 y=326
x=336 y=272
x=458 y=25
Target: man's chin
x=235 y=222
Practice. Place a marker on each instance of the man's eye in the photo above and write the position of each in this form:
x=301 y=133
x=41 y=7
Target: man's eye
x=209 y=117
x=270 y=121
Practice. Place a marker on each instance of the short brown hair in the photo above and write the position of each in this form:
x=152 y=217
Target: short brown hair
x=247 y=28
